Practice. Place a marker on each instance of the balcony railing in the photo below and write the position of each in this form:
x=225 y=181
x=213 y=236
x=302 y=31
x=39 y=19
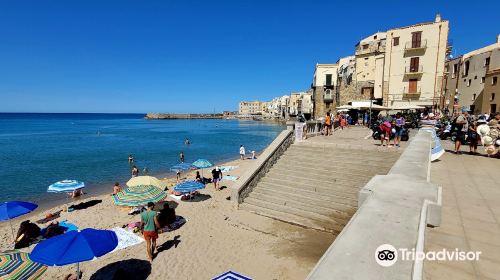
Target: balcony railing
x=411 y=93
x=370 y=49
x=414 y=70
x=415 y=45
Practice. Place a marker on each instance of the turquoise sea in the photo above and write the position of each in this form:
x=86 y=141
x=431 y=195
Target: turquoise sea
x=40 y=149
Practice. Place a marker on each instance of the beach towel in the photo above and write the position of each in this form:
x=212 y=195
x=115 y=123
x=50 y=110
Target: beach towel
x=179 y=221
x=68 y=226
x=176 y=197
x=53 y=216
x=230 y=178
x=228 y=168
x=126 y=238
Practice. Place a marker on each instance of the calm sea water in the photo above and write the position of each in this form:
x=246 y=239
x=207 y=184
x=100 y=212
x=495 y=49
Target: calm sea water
x=40 y=149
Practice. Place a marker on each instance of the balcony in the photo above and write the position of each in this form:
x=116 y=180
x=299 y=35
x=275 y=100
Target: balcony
x=328 y=96
x=415 y=45
x=328 y=85
x=411 y=93
x=371 y=49
x=414 y=70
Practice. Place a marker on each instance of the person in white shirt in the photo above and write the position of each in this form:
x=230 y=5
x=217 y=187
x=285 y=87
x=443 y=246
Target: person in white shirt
x=242 y=152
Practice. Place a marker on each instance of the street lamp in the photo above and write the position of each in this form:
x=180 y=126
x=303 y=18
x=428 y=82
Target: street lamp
x=371 y=102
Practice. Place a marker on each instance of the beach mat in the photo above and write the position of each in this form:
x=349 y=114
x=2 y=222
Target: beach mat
x=230 y=178
x=227 y=168
x=179 y=222
x=69 y=226
x=126 y=238
x=55 y=215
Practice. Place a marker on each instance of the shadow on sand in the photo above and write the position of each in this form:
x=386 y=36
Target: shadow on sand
x=169 y=244
x=132 y=269
x=86 y=204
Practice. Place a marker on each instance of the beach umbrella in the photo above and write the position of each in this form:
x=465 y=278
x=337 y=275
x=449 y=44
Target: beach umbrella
x=182 y=166
x=66 y=186
x=139 y=195
x=75 y=247
x=144 y=180
x=18 y=265
x=188 y=186
x=12 y=209
x=202 y=163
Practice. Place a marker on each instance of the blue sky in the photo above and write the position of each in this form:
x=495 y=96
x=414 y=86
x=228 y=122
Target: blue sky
x=195 y=56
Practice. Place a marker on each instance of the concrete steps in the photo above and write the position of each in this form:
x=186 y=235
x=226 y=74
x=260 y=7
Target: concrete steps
x=316 y=187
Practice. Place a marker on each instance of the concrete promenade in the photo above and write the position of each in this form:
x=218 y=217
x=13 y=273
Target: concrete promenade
x=470 y=215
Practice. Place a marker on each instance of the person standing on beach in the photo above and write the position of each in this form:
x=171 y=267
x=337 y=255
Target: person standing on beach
x=216 y=177
x=135 y=171
x=181 y=157
x=242 y=152
x=149 y=226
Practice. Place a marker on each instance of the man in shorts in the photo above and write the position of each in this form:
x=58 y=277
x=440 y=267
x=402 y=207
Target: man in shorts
x=462 y=126
x=149 y=225
x=242 y=152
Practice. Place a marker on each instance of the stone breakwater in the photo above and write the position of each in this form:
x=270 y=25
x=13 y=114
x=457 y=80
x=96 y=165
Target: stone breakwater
x=160 y=116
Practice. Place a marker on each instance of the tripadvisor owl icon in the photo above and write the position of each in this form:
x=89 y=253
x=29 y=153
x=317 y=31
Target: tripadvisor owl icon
x=386 y=255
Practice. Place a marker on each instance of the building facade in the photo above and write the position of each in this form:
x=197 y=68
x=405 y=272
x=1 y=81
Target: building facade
x=488 y=101
x=414 y=63
x=323 y=88
x=247 y=108
x=449 y=99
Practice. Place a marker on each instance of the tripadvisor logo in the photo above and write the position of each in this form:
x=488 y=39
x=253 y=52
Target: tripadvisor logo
x=387 y=255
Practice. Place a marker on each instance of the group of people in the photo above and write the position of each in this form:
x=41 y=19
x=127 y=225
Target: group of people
x=391 y=126
x=466 y=126
x=342 y=119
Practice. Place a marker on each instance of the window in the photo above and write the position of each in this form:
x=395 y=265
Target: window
x=492 y=97
x=375 y=37
x=494 y=81
x=365 y=47
x=482 y=80
x=416 y=39
x=487 y=61
x=328 y=79
x=475 y=77
x=473 y=97
x=396 y=41
x=366 y=58
x=468 y=82
x=466 y=68
x=455 y=70
x=414 y=61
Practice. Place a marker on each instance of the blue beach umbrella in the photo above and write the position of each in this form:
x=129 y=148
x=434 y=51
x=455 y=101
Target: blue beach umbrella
x=181 y=166
x=188 y=186
x=202 y=163
x=74 y=247
x=66 y=186
x=12 y=209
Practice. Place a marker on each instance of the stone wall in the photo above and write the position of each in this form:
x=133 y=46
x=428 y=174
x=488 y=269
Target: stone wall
x=354 y=92
x=261 y=166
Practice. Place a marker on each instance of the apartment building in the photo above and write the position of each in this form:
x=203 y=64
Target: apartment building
x=470 y=80
x=300 y=102
x=370 y=53
x=414 y=63
x=323 y=88
x=247 y=108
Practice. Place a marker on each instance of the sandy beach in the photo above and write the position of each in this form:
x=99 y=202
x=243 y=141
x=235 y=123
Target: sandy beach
x=216 y=238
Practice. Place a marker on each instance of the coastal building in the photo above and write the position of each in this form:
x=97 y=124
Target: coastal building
x=248 y=108
x=300 y=102
x=323 y=88
x=370 y=58
x=414 y=63
x=470 y=80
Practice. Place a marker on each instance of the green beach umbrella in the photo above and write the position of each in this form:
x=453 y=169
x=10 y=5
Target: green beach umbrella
x=139 y=195
x=18 y=265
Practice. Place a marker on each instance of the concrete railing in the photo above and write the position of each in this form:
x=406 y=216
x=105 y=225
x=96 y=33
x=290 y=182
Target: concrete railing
x=393 y=209
x=261 y=166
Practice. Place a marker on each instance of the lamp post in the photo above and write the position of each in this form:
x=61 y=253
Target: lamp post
x=371 y=102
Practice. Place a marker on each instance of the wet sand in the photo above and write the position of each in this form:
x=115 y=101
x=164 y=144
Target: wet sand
x=217 y=238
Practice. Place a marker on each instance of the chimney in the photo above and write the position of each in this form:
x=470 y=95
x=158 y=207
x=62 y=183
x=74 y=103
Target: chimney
x=438 y=18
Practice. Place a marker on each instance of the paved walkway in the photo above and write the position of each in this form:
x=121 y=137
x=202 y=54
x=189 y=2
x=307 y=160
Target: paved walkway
x=470 y=218
x=355 y=137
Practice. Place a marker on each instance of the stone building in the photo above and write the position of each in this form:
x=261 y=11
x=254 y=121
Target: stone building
x=323 y=88
x=370 y=53
x=414 y=63
x=300 y=102
x=470 y=80
x=248 y=108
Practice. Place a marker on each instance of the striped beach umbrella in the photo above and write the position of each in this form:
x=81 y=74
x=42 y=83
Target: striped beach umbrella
x=18 y=265
x=188 y=186
x=66 y=186
x=139 y=195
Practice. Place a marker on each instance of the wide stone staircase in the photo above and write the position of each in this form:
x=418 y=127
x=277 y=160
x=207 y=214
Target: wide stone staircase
x=317 y=187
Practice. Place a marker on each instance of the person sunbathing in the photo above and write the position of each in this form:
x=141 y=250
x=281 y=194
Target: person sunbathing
x=27 y=233
x=166 y=215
